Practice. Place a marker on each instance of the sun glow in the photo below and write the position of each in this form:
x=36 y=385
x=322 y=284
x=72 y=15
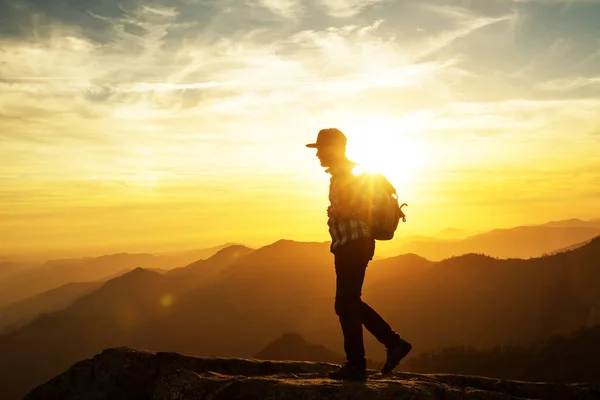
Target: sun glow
x=387 y=146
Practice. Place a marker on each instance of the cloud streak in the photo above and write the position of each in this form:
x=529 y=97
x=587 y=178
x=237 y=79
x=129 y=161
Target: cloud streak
x=347 y=8
x=571 y=83
x=285 y=8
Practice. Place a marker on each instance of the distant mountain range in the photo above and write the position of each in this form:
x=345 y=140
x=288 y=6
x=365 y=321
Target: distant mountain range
x=205 y=269
x=518 y=242
x=9 y=267
x=253 y=297
x=189 y=256
x=18 y=314
x=17 y=283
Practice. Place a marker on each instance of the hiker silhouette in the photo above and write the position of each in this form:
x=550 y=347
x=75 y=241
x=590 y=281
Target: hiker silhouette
x=353 y=246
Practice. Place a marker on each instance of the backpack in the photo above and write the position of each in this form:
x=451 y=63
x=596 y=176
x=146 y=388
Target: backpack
x=384 y=210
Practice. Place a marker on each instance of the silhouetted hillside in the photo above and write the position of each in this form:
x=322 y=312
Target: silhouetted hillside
x=481 y=301
x=189 y=256
x=55 y=273
x=574 y=223
x=18 y=314
x=571 y=247
x=292 y=346
x=279 y=288
x=125 y=373
x=130 y=296
x=472 y=299
x=214 y=265
x=288 y=286
x=106 y=317
x=569 y=358
x=519 y=242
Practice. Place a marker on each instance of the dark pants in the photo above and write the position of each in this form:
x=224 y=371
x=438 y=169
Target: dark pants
x=351 y=262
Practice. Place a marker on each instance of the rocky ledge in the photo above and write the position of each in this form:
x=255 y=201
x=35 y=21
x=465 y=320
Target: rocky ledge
x=127 y=374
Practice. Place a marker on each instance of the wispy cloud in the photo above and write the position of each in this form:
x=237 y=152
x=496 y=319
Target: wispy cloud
x=285 y=8
x=164 y=12
x=347 y=8
x=465 y=23
x=570 y=83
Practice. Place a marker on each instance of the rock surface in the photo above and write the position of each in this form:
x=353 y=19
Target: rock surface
x=127 y=374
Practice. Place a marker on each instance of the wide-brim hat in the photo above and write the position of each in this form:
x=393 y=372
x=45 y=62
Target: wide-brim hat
x=328 y=137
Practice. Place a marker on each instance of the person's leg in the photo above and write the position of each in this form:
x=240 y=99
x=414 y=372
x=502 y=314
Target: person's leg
x=397 y=348
x=377 y=326
x=350 y=273
x=350 y=264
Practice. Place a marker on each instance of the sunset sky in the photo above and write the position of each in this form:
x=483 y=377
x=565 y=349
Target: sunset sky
x=140 y=125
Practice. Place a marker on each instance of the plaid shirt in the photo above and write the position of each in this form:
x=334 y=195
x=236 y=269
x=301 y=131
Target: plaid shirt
x=344 y=225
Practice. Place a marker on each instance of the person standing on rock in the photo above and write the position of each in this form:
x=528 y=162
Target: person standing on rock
x=353 y=246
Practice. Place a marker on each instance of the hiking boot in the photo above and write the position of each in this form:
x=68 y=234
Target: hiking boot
x=348 y=372
x=395 y=354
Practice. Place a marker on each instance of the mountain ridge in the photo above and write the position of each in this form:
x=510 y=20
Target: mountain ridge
x=54 y=273
x=19 y=314
x=518 y=242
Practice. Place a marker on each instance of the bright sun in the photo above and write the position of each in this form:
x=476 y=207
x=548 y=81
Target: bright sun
x=386 y=146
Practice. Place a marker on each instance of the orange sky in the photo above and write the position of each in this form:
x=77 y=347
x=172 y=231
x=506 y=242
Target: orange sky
x=146 y=128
